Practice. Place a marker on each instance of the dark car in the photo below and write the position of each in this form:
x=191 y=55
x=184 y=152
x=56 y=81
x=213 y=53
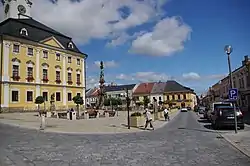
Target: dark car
x=201 y=110
x=224 y=117
x=189 y=108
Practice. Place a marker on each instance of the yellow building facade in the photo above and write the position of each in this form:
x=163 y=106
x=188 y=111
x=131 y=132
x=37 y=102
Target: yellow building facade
x=180 y=99
x=38 y=61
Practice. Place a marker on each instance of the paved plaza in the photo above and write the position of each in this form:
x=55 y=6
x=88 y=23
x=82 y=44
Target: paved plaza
x=108 y=125
x=182 y=142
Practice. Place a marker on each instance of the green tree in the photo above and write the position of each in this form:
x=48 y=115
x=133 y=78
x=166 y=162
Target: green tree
x=106 y=102
x=119 y=101
x=39 y=100
x=78 y=100
x=146 y=101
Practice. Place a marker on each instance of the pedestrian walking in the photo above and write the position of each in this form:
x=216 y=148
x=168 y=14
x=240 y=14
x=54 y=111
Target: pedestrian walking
x=166 y=114
x=148 y=119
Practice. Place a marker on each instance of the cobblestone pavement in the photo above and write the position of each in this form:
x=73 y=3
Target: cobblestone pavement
x=182 y=142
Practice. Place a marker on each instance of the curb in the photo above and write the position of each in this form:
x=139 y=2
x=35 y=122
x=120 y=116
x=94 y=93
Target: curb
x=247 y=154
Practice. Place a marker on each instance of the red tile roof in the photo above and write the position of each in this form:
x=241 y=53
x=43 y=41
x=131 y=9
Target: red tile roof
x=144 y=88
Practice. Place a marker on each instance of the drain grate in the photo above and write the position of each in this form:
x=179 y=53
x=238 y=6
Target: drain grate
x=219 y=137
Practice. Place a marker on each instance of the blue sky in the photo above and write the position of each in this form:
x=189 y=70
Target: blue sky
x=149 y=40
x=214 y=23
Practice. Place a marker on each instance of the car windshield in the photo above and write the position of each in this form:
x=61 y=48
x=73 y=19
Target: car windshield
x=222 y=104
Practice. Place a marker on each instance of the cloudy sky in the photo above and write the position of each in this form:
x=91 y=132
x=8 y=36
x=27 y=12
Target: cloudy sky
x=152 y=40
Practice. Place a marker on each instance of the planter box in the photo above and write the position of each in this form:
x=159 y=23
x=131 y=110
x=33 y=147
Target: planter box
x=160 y=115
x=137 y=121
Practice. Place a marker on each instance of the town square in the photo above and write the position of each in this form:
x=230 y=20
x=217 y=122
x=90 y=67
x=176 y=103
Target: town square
x=135 y=82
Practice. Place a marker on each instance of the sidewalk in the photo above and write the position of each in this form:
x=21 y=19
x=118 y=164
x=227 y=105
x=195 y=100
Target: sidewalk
x=109 y=125
x=240 y=141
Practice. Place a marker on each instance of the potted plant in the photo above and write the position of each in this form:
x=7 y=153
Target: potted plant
x=78 y=100
x=70 y=82
x=136 y=119
x=40 y=100
x=45 y=79
x=58 y=81
x=30 y=78
x=16 y=78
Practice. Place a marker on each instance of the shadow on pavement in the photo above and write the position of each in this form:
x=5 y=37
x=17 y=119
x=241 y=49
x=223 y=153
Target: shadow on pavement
x=208 y=126
x=201 y=130
x=141 y=127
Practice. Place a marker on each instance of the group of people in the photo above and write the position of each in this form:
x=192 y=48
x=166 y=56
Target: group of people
x=149 y=118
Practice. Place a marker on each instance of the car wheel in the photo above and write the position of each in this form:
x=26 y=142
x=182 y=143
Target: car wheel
x=242 y=127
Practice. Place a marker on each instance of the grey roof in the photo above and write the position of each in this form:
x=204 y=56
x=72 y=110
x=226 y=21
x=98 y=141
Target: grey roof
x=36 y=32
x=173 y=86
x=90 y=92
x=119 y=87
x=158 y=88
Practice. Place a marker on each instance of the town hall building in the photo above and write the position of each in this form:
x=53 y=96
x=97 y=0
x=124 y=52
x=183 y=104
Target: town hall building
x=37 y=61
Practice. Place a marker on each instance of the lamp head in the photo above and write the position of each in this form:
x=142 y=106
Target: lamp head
x=228 y=49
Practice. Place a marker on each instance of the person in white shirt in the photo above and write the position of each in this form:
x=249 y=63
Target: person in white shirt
x=148 y=119
x=166 y=114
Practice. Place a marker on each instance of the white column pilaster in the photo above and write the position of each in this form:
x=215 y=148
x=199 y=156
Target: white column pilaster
x=6 y=55
x=64 y=70
x=83 y=73
x=38 y=90
x=38 y=80
x=6 y=95
x=64 y=95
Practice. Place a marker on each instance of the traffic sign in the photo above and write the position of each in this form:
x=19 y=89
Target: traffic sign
x=233 y=94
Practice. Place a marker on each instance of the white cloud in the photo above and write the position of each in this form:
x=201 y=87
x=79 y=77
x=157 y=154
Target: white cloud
x=143 y=76
x=95 y=19
x=167 y=37
x=191 y=76
x=107 y=64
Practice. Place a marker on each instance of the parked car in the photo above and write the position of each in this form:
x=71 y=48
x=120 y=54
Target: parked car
x=223 y=116
x=189 y=108
x=205 y=116
x=184 y=109
x=214 y=106
x=201 y=110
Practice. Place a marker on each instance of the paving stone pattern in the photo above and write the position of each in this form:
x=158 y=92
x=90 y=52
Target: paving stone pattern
x=182 y=142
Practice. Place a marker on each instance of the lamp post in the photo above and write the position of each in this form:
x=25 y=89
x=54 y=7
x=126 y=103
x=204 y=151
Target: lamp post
x=229 y=49
x=128 y=103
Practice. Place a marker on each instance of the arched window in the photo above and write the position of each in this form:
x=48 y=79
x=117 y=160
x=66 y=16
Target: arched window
x=70 y=45
x=24 y=32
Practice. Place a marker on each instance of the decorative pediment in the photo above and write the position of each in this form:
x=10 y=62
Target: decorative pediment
x=78 y=70
x=30 y=62
x=58 y=67
x=16 y=60
x=69 y=69
x=52 y=41
x=45 y=65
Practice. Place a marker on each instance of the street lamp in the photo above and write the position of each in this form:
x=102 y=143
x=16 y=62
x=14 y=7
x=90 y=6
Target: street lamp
x=228 y=50
x=128 y=103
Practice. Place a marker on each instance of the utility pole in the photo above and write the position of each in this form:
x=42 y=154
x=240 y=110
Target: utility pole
x=128 y=103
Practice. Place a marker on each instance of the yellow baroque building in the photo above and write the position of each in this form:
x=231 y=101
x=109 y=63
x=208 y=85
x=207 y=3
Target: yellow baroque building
x=177 y=95
x=37 y=61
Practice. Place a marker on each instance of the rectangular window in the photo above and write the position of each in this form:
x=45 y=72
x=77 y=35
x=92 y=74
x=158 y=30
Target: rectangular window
x=58 y=57
x=29 y=96
x=15 y=71
x=58 y=96
x=69 y=59
x=45 y=74
x=69 y=96
x=30 y=71
x=184 y=96
x=167 y=97
x=78 y=62
x=30 y=51
x=173 y=97
x=78 y=78
x=69 y=77
x=45 y=54
x=14 y=96
x=78 y=94
x=179 y=97
x=58 y=75
x=16 y=48
x=45 y=96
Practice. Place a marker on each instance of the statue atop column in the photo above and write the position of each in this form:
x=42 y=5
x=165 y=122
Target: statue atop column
x=101 y=92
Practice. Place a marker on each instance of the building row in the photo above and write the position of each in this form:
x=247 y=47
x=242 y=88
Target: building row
x=37 y=60
x=169 y=93
x=241 y=81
